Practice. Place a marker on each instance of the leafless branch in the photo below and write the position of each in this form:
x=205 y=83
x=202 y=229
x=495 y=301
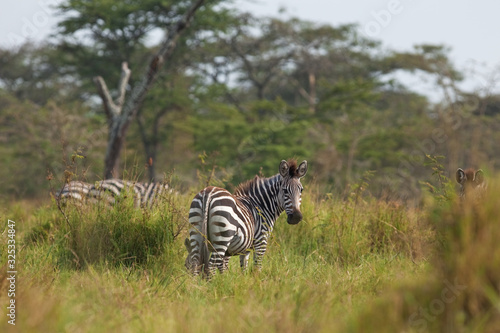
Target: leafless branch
x=109 y=106
x=122 y=87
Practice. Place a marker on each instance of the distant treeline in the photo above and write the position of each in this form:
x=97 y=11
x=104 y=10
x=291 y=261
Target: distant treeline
x=240 y=94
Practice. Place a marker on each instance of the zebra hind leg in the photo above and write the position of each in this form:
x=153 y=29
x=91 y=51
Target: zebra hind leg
x=218 y=260
x=225 y=264
x=193 y=261
x=244 y=261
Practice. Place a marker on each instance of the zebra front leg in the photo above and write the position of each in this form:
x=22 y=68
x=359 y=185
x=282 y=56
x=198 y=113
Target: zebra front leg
x=258 y=255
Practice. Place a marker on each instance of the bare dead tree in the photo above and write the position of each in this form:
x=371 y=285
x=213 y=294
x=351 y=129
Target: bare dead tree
x=122 y=112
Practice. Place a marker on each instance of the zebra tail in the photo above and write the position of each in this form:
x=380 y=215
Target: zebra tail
x=205 y=253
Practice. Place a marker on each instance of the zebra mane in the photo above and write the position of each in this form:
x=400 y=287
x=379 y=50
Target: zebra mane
x=245 y=187
x=293 y=168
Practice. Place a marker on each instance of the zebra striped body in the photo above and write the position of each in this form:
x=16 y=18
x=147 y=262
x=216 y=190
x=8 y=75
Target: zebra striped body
x=471 y=182
x=225 y=224
x=75 y=190
x=109 y=190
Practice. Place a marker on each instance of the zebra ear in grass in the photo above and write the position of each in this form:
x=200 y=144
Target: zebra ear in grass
x=460 y=176
x=479 y=176
x=302 y=170
x=284 y=169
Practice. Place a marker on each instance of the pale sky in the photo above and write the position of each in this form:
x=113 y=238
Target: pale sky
x=469 y=27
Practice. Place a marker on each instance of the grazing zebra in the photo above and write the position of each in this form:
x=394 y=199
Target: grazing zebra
x=471 y=181
x=225 y=224
x=75 y=190
x=145 y=194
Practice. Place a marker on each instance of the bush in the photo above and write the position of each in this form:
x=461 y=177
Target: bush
x=121 y=234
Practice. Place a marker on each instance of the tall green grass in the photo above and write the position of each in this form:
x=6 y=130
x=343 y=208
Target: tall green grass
x=89 y=233
x=353 y=264
x=462 y=291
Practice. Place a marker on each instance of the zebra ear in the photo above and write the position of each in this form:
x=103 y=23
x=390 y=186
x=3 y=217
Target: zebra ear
x=302 y=170
x=479 y=176
x=284 y=169
x=460 y=176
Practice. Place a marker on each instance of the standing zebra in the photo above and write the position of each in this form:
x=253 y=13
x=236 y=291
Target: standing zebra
x=145 y=194
x=471 y=182
x=224 y=225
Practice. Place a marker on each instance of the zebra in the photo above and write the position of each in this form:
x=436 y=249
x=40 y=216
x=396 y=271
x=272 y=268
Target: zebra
x=77 y=190
x=225 y=224
x=145 y=194
x=471 y=181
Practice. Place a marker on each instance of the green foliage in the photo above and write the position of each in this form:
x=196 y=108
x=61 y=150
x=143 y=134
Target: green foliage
x=432 y=59
x=32 y=72
x=96 y=36
x=245 y=143
x=348 y=96
x=209 y=173
x=443 y=190
x=118 y=235
x=383 y=149
x=38 y=141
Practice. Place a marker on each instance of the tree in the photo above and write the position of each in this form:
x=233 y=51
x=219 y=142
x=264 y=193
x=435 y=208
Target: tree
x=434 y=62
x=32 y=72
x=130 y=25
x=167 y=103
x=36 y=140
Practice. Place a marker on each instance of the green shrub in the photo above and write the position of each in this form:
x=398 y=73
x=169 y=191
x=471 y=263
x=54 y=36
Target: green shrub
x=119 y=234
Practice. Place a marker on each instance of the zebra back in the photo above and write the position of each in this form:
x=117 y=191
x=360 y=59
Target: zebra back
x=77 y=190
x=109 y=190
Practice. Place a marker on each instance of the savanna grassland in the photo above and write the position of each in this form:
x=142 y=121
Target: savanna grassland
x=394 y=252
x=353 y=265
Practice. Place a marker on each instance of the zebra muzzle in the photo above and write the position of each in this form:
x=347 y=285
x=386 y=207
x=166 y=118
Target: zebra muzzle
x=295 y=217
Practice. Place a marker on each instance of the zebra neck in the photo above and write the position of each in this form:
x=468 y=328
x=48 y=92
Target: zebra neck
x=263 y=199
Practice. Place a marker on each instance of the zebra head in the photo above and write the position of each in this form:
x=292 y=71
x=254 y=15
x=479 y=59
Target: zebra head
x=291 y=189
x=469 y=180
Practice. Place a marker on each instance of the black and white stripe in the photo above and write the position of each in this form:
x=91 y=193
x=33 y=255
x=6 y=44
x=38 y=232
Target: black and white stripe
x=109 y=190
x=224 y=225
x=76 y=190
